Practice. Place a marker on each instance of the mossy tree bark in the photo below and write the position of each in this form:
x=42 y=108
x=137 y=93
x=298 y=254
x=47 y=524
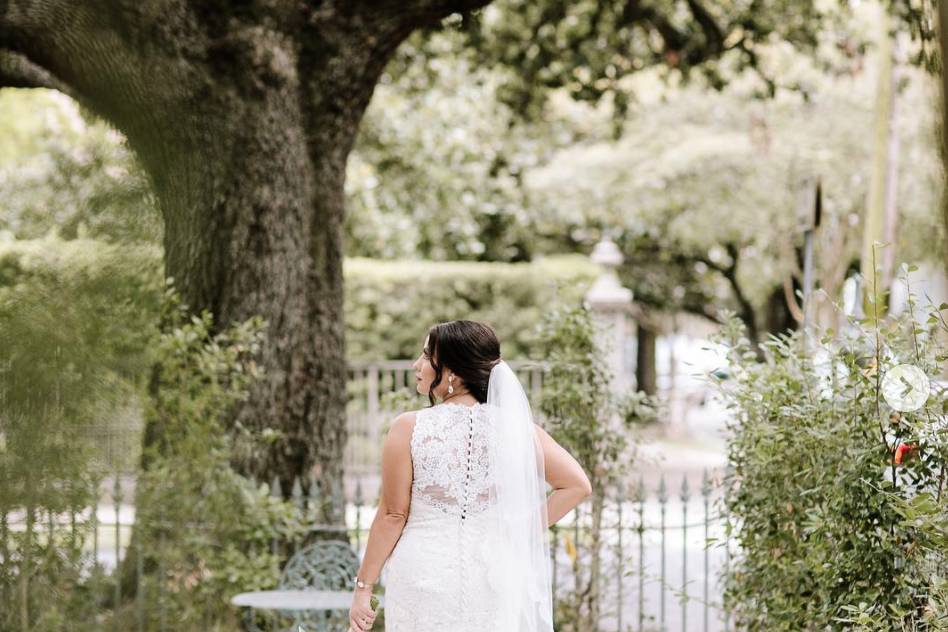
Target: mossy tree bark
x=243 y=114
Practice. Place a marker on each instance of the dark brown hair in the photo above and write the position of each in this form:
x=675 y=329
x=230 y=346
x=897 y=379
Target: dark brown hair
x=469 y=348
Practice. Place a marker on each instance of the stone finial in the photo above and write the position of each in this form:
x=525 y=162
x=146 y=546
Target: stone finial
x=607 y=293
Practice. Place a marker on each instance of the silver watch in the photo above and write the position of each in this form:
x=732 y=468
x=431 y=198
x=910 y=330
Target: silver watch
x=361 y=584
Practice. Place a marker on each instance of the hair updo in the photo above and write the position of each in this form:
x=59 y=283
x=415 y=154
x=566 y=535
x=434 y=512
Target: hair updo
x=469 y=348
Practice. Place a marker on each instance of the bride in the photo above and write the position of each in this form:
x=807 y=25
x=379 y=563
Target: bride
x=460 y=537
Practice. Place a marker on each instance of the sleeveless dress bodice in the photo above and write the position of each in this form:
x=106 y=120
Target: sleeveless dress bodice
x=438 y=576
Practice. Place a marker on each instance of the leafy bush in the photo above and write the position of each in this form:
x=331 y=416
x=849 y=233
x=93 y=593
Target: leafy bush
x=206 y=532
x=75 y=321
x=79 y=321
x=595 y=425
x=80 y=325
x=832 y=531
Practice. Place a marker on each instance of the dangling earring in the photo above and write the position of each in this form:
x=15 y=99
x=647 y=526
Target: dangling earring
x=450 y=386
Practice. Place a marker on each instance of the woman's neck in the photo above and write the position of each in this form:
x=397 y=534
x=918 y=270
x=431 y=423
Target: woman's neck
x=456 y=398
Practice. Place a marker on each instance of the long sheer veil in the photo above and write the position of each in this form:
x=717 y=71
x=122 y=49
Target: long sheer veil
x=517 y=534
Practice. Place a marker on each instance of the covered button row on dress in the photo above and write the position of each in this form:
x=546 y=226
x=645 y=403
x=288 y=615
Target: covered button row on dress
x=470 y=448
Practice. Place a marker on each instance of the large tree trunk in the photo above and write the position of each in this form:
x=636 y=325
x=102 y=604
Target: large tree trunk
x=243 y=115
x=269 y=242
x=250 y=183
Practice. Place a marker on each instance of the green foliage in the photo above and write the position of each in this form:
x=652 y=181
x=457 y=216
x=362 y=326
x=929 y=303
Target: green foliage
x=61 y=171
x=698 y=173
x=590 y=48
x=724 y=171
x=830 y=529
x=209 y=530
x=80 y=337
x=76 y=319
x=424 y=183
x=391 y=304
x=577 y=399
x=594 y=424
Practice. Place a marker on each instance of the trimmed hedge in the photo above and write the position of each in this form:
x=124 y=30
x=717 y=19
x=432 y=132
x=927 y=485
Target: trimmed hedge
x=391 y=304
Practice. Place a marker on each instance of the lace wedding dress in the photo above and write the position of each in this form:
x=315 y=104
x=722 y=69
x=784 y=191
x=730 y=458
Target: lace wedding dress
x=439 y=575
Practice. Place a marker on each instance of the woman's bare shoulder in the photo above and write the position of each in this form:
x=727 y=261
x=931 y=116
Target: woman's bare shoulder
x=404 y=423
x=407 y=417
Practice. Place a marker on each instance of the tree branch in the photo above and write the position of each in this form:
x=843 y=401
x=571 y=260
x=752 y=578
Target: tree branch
x=712 y=32
x=424 y=7
x=634 y=12
x=795 y=310
x=729 y=271
x=94 y=51
x=717 y=267
x=16 y=71
x=746 y=47
x=411 y=13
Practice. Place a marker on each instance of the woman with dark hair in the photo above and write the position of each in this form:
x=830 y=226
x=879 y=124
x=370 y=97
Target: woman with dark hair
x=461 y=531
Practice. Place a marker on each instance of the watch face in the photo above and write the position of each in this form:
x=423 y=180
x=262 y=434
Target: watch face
x=905 y=387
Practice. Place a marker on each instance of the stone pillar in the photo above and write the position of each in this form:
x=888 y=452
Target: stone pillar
x=609 y=303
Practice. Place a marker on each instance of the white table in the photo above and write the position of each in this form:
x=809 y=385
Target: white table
x=297 y=599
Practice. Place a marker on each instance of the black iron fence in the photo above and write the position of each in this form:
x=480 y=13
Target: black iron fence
x=657 y=572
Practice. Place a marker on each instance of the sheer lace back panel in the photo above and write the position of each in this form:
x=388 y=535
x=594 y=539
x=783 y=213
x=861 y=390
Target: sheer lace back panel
x=450 y=456
x=443 y=573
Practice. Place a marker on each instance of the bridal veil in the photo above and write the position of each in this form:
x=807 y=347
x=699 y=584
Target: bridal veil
x=518 y=534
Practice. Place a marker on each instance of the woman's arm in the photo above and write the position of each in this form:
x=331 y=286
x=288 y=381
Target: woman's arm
x=564 y=473
x=394 y=500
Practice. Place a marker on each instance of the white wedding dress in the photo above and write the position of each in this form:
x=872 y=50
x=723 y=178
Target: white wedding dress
x=439 y=575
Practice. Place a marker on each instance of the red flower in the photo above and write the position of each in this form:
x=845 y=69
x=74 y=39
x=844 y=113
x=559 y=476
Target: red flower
x=904 y=450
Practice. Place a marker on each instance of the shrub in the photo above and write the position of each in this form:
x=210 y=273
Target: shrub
x=832 y=532
x=205 y=531
x=385 y=301
x=390 y=304
x=595 y=425
x=74 y=325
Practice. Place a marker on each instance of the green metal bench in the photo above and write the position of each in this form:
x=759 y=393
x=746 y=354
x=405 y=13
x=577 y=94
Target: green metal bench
x=315 y=589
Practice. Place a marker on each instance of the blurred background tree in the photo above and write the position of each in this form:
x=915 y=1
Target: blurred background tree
x=700 y=190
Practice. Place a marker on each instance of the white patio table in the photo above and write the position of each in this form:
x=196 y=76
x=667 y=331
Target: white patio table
x=320 y=600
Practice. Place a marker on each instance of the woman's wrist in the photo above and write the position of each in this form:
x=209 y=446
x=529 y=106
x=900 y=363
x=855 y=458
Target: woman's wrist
x=363 y=586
